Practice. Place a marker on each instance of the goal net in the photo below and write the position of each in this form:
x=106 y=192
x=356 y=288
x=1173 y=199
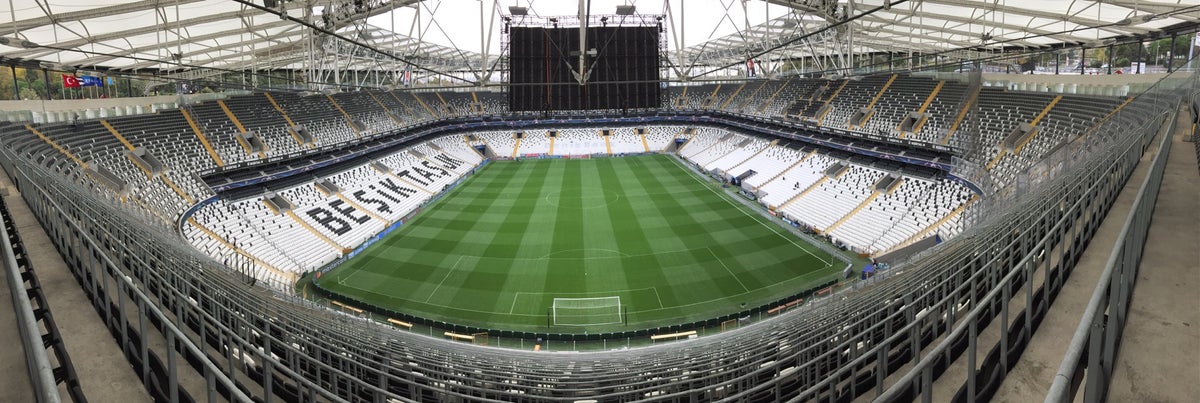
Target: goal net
x=586 y=311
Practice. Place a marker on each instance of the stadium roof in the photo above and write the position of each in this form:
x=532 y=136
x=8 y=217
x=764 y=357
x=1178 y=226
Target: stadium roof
x=195 y=35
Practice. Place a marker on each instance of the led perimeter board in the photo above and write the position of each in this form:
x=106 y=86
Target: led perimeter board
x=621 y=66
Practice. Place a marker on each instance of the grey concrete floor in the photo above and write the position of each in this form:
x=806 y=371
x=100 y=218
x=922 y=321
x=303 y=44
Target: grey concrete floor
x=14 y=374
x=105 y=375
x=1158 y=360
x=1175 y=367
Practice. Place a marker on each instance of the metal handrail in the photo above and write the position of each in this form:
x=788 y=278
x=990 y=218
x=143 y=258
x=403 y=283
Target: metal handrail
x=1131 y=238
x=969 y=320
x=41 y=374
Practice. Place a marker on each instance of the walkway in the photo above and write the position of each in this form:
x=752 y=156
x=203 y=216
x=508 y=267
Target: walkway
x=104 y=374
x=1159 y=360
x=1030 y=379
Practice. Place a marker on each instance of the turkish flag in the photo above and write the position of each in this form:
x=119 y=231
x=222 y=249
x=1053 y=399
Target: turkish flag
x=70 y=82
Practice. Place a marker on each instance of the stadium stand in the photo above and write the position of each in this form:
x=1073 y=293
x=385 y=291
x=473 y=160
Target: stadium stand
x=867 y=205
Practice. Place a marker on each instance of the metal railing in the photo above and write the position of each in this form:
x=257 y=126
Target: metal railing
x=41 y=374
x=274 y=347
x=1098 y=335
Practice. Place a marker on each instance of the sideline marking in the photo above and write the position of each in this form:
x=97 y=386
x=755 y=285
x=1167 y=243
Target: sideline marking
x=753 y=216
x=448 y=273
x=722 y=262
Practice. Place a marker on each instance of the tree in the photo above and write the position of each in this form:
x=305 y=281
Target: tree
x=29 y=93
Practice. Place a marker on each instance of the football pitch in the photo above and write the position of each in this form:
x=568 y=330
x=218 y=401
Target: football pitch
x=501 y=247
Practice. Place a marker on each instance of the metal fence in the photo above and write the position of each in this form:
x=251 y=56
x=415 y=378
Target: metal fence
x=1092 y=352
x=193 y=329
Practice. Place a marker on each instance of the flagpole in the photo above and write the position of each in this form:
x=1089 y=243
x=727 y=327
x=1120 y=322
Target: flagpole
x=1192 y=48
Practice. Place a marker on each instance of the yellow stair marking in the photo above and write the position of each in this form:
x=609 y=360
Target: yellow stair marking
x=468 y=143
x=712 y=98
x=882 y=90
x=361 y=208
x=260 y=262
x=229 y=113
x=314 y=231
x=714 y=144
x=928 y=100
x=645 y=144
x=689 y=133
x=402 y=104
x=830 y=100
x=753 y=95
x=763 y=107
x=349 y=120
x=475 y=103
x=846 y=217
x=961 y=114
x=722 y=155
x=933 y=94
x=176 y=188
x=385 y=108
x=409 y=183
x=128 y=145
x=423 y=105
x=244 y=145
x=551 y=143
x=732 y=96
x=279 y=108
x=773 y=143
x=957 y=120
x=516 y=146
x=147 y=207
x=607 y=143
x=240 y=128
x=871 y=104
x=789 y=169
x=1107 y=117
x=1046 y=110
x=203 y=140
x=1017 y=150
x=1034 y=123
x=810 y=188
x=117 y=134
x=149 y=175
x=287 y=119
x=995 y=160
x=445 y=105
x=924 y=232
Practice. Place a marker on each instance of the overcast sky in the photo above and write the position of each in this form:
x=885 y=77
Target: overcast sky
x=457 y=22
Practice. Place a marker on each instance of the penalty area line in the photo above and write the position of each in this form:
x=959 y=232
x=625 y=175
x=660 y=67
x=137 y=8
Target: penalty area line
x=448 y=273
x=722 y=262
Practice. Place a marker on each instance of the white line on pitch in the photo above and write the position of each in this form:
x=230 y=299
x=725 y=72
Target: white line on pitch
x=448 y=272
x=514 y=304
x=755 y=217
x=660 y=304
x=722 y=262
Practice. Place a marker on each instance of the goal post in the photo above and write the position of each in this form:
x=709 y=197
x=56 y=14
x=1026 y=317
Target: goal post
x=587 y=311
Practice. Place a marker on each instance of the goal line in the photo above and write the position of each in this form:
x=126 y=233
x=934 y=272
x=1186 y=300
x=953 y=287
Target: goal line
x=586 y=311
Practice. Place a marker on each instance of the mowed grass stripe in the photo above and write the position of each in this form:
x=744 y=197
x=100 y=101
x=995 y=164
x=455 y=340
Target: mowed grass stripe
x=715 y=280
x=477 y=288
x=497 y=250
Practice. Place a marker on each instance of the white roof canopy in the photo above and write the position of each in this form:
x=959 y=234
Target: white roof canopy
x=179 y=35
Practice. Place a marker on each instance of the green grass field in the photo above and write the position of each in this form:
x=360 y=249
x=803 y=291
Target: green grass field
x=498 y=249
